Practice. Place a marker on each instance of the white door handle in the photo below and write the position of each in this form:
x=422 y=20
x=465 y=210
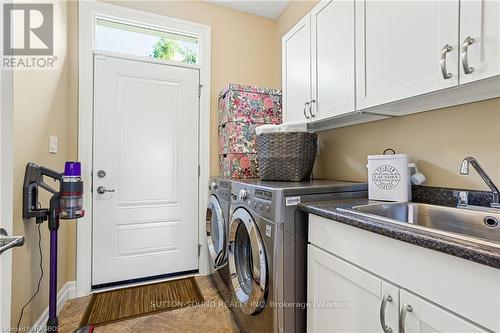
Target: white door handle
x=102 y=190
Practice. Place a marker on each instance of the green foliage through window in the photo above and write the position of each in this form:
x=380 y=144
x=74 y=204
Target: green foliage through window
x=189 y=56
x=168 y=49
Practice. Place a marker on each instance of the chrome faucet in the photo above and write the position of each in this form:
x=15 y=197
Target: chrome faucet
x=464 y=170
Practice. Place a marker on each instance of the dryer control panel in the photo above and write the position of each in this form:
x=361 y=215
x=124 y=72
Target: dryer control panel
x=222 y=188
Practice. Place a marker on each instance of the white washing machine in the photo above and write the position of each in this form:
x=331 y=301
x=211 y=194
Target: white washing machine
x=267 y=250
x=217 y=227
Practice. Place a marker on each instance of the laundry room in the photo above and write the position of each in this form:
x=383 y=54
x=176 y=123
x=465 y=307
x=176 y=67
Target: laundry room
x=250 y=166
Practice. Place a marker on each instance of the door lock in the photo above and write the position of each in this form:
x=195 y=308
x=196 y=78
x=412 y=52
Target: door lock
x=102 y=190
x=101 y=173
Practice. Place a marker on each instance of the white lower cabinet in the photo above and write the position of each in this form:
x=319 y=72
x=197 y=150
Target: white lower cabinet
x=344 y=298
x=421 y=316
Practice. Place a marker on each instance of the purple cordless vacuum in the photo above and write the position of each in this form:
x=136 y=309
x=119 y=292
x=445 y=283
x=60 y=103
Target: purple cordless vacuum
x=65 y=203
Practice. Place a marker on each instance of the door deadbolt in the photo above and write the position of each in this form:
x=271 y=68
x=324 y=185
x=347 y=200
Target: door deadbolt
x=101 y=173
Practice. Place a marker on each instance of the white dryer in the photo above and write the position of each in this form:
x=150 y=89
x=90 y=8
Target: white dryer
x=217 y=228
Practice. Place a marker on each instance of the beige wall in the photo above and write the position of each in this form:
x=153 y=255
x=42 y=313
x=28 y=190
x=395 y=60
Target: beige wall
x=72 y=129
x=438 y=140
x=243 y=51
x=41 y=108
x=243 y=48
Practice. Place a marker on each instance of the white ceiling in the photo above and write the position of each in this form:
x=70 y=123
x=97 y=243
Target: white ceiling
x=269 y=9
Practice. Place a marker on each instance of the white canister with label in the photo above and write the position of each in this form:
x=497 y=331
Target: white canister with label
x=389 y=177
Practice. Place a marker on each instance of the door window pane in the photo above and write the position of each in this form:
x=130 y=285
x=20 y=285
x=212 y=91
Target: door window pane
x=146 y=42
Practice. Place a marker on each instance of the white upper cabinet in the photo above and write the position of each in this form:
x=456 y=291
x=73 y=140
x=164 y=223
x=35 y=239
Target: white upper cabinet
x=333 y=71
x=405 y=49
x=479 y=39
x=353 y=61
x=296 y=61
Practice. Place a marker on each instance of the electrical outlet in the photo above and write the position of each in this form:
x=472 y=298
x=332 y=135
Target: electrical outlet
x=53 y=144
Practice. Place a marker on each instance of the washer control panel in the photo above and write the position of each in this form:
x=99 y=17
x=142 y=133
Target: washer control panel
x=258 y=200
x=261 y=206
x=262 y=200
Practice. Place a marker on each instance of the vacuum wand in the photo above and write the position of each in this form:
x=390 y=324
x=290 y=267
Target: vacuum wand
x=66 y=203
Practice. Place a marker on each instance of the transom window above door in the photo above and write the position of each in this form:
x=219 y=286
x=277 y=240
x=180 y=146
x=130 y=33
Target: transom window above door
x=135 y=40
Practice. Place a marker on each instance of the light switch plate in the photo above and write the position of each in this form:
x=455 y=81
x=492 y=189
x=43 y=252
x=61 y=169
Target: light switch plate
x=53 y=144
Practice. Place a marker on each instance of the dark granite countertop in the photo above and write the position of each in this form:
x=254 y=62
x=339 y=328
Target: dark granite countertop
x=479 y=252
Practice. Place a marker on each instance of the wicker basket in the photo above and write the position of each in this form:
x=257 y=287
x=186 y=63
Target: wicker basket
x=286 y=156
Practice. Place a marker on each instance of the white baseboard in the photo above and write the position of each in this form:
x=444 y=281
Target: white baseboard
x=67 y=292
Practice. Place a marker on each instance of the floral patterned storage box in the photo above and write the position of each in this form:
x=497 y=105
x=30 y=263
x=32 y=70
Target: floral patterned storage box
x=249 y=104
x=238 y=166
x=237 y=137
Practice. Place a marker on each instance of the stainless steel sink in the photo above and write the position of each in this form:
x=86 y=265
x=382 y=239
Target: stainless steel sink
x=478 y=223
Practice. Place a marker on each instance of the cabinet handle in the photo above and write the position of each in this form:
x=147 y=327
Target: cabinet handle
x=383 y=304
x=313 y=115
x=402 y=318
x=447 y=48
x=306 y=104
x=464 y=54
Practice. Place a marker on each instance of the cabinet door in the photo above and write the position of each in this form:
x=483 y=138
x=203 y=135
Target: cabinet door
x=418 y=315
x=333 y=57
x=344 y=298
x=399 y=46
x=480 y=25
x=296 y=58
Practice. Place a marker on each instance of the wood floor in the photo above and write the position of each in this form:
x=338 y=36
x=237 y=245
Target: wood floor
x=213 y=316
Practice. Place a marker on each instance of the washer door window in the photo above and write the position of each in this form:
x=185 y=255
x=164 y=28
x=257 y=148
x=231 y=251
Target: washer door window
x=247 y=262
x=216 y=235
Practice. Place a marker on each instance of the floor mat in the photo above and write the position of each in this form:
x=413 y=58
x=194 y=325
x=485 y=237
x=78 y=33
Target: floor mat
x=116 y=305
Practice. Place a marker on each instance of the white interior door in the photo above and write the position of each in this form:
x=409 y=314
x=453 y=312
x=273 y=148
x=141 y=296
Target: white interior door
x=5 y=209
x=6 y=83
x=146 y=144
x=3 y=285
